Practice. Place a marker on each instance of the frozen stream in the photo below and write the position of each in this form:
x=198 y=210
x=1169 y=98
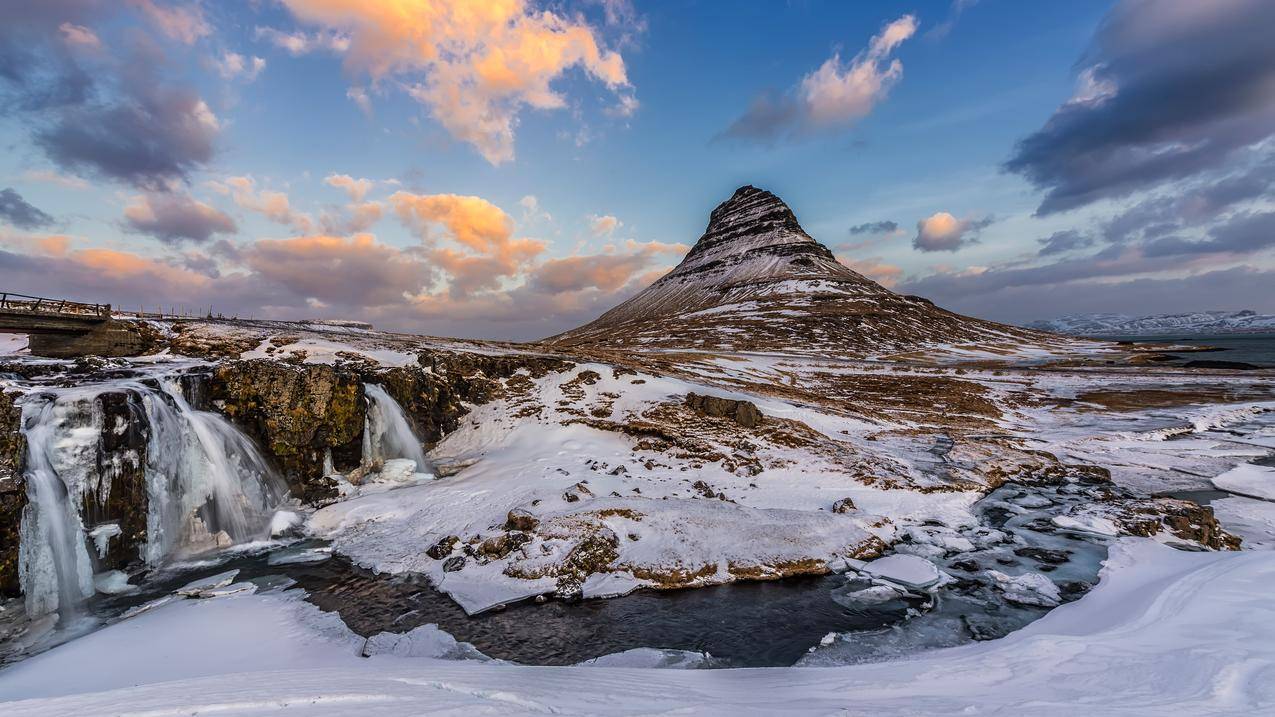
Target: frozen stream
x=739 y=625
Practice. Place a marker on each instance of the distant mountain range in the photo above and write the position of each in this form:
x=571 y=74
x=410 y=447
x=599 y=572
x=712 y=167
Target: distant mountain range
x=1198 y=322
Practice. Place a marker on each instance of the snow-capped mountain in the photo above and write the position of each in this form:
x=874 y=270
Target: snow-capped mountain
x=756 y=280
x=1197 y=322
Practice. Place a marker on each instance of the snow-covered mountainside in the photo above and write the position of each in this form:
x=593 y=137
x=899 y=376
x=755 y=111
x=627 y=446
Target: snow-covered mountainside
x=757 y=281
x=1196 y=322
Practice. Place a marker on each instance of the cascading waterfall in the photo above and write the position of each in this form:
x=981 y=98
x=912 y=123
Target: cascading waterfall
x=207 y=483
x=54 y=565
x=207 y=486
x=387 y=434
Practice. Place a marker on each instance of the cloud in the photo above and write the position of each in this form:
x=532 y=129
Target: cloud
x=1231 y=288
x=491 y=252
x=607 y=271
x=150 y=135
x=604 y=225
x=1063 y=241
x=1242 y=234
x=115 y=117
x=356 y=188
x=51 y=177
x=16 y=211
x=834 y=96
x=347 y=271
x=954 y=12
x=232 y=65
x=302 y=43
x=531 y=210
x=1190 y=204
x=475 y=66
x=79 y=36
x=274 y=205
x=176 y=217
x=881 y=227
x=943 y=232
x=183 y=23
x=1147 y=110
x=885 y=274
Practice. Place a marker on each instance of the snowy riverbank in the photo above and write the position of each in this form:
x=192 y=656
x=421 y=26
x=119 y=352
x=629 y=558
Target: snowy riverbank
x=1192 y=632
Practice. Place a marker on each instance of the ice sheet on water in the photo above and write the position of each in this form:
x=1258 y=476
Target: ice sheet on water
x=422 y=641
x=906 y=570
x=653 y=658
x=1248 y=479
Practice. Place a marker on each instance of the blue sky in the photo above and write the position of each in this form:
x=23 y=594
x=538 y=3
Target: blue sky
x=435 y=169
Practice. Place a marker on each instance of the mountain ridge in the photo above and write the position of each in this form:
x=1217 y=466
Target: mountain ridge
x=1196 y=322
x=756 y=280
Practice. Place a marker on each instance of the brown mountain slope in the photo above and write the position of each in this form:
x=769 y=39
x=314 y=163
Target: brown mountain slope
x=756 y=281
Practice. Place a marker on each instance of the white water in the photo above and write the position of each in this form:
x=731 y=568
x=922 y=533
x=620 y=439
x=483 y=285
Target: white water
x=204 y=477
x=54 y=566
x=207 y=486
x=387 y=434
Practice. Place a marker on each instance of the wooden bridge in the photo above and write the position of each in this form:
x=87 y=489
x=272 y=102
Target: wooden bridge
x=62 y=328
x=22 y=314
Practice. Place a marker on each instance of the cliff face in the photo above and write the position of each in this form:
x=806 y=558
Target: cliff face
x=755 y=280
x=296 y=413
x=13 y=490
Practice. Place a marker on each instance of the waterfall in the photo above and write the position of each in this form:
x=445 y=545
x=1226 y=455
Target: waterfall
x=387 y=434
x=54 y=565
x=207 y=485
x=206 y=482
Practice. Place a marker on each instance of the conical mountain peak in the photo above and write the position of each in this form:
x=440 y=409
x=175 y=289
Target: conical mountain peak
x=751 y=218
x=756 y=280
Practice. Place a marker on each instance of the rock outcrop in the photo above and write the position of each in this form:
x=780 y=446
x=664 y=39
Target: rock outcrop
x=13 y=490
x=297 y=413
x=744 y=413
x=118 y=496
x=434 y=392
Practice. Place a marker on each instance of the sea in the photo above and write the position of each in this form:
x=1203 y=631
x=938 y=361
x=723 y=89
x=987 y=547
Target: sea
x=1256 y=349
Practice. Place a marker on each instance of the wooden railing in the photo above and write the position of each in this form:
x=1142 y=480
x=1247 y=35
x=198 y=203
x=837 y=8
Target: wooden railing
x=52 y=307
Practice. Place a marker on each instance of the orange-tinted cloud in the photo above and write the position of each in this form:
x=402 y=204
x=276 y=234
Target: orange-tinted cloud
x=482 y=228
x=481 y=62
x=352 y=271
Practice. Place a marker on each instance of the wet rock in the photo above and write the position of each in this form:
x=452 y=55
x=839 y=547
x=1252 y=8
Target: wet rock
x=745 y=413
x=984 y=627
x=968 y=566
x=13 y=491
x=1043 y=555
x=453 y=563
x=297 y=414
x=845 y=505
x=519 y=519
x=498 y=546
x=119 y=495
x=576 y=492
x=443 y=548
x=593 y=554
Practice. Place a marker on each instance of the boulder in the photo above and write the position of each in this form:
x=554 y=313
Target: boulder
x=745 y=413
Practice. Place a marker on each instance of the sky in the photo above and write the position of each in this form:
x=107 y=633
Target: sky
x=512 y=168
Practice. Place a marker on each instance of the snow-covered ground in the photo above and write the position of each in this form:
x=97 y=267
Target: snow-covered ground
x=1165 y=630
